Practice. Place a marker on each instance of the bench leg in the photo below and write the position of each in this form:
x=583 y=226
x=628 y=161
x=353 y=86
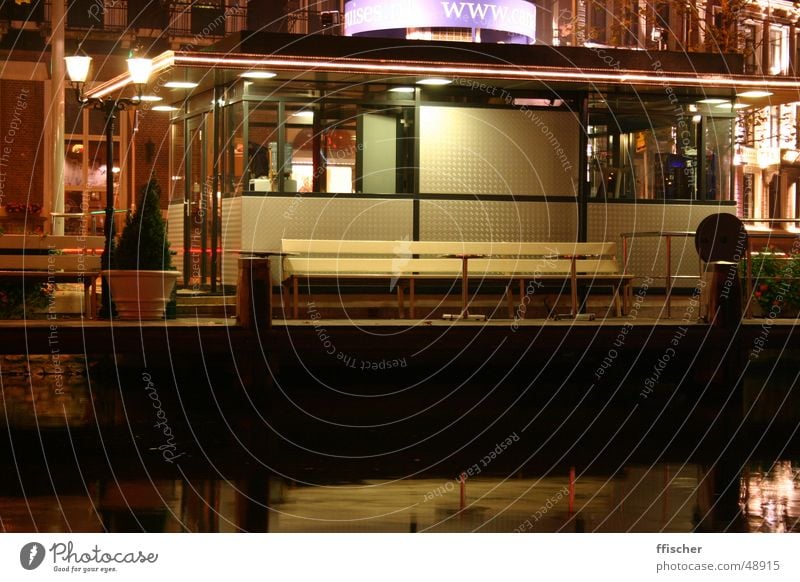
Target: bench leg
x=412 y=311
x=510 y=300
x=91 y=304
x=295 y=298
x=617 y=306
x=400 y=300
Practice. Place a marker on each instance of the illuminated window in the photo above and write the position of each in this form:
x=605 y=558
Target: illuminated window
x=776 y=51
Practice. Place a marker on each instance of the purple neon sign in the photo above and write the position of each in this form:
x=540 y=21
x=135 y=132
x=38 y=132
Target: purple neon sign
x=516 y=17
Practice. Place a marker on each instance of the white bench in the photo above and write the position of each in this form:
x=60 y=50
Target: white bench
x=54 y=259
x=405 y=262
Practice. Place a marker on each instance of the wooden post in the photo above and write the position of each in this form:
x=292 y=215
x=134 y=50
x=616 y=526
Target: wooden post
x=254 y=293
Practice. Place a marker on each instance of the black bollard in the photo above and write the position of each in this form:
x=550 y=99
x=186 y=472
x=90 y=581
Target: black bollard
x=721 y=242
x=254 y=293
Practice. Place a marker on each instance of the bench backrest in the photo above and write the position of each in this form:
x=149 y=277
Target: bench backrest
x=406 y=247
x=57 y=252
x=401 y=258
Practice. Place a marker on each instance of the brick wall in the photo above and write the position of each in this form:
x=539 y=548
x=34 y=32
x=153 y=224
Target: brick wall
x=152 y=152
x=22 y=153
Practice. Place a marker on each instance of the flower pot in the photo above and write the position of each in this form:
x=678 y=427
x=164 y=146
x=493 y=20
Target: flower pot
x=140 y=294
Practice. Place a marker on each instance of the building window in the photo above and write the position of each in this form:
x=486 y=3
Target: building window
x=749 y=48
x=85 y=168
x=777 y=52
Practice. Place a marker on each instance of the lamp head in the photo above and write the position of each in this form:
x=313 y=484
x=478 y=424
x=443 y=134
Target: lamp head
x=139 y=69
x=78 y=71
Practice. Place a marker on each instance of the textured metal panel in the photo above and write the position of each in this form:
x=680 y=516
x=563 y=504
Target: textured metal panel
x=266 y=220
x=231 y=238
x=498 y=151
x=480 y=220
x=647 y=255
x=175 y=234
x=259 y=223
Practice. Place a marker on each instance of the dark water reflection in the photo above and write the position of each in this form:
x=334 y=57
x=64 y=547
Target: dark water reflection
x=57 y=478
x=659 y=498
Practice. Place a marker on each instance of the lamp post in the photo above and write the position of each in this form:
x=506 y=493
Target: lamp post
x=78 y=71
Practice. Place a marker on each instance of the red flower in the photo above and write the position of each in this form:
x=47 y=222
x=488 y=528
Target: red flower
x=763 y=287
x=757 y=294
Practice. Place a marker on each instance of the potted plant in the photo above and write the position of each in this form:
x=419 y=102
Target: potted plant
x=776 y=283
x=141 y=275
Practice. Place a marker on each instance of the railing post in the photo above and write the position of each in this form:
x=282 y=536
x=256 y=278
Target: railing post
x=254 y=293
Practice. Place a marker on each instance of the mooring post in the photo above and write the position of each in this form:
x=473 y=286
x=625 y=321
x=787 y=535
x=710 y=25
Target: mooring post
x=254 y=293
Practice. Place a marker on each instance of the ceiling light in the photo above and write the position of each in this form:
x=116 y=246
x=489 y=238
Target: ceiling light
x=164 y=108
x=713 y=101
x=180 y=85
x=303 y=113
x=148 y=98
x=434 y=81
x=754 y=94
x=402 y=90
x=258 y=75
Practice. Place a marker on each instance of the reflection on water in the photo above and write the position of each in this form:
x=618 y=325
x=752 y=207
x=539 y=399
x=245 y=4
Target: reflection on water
x=661 y=498
x=38 y=400
x=771 y=498
x=38 y=393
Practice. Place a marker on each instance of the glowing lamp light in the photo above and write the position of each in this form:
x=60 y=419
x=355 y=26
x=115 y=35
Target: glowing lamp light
x=78 y=68
x=258 y=75
x=180 y=85
x=401 y=90
x=139 y=69
x=434 y=82
x=755 y=94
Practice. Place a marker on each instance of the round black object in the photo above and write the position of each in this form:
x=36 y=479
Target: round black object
x=721 y=237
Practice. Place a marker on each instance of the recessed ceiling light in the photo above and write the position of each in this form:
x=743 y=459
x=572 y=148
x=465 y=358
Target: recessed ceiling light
x=303 y=113
x=725 y=106
x=148 y=98
x=402 y=90
x=164 y=108
x=740 y=105
x=713 y=101
x=435 y=81
x=180 y=85
x=258 y=75
x=755 y=93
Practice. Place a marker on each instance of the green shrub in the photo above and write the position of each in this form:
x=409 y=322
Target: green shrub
x=776 y=279
x=143 y=243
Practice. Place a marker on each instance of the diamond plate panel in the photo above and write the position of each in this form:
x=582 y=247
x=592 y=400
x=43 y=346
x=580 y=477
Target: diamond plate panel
x=647 y=254
x=498 y=151
x=480 y=220
x=175 y=235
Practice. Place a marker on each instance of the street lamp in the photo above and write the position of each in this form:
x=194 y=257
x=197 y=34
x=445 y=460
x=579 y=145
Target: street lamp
x=78 y=71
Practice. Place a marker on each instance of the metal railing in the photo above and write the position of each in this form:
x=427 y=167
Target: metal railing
x=184 y=18
x=757 y=240
x=668 y=277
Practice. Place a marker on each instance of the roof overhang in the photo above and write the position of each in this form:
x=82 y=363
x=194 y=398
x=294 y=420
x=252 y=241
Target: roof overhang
x=578 y=69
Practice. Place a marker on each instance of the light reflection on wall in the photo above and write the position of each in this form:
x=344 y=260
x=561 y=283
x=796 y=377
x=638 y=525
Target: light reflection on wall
x=771 y=499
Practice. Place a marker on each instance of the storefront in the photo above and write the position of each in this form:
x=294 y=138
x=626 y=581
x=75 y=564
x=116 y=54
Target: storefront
x=281 y=137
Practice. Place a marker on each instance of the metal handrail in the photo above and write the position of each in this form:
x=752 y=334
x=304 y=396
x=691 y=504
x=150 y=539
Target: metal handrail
x=668 y=276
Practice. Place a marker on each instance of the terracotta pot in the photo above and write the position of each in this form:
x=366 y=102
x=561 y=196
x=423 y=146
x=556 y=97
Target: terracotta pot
x=140 y=295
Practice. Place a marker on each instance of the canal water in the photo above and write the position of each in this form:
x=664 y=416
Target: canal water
x=100 y=447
